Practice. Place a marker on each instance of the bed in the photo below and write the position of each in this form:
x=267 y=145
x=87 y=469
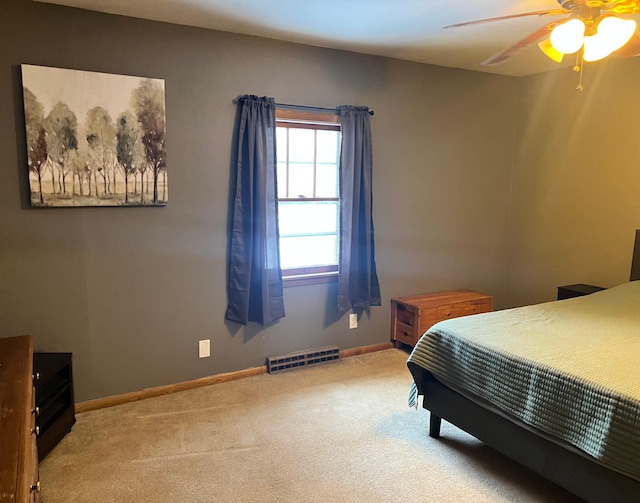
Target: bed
x=554 y=386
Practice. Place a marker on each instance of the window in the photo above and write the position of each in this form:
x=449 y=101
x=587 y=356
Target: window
x=308 y=154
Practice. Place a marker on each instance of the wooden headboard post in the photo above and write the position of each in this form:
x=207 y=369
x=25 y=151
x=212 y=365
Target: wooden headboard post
x=635 y=261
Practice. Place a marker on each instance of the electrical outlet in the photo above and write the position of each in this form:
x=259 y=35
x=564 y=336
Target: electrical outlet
x=204 y=348
x=353 y=321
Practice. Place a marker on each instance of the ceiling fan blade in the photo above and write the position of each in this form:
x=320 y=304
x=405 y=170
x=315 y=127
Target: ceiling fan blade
x=623 y=7
x=532 y=38
x=552 y=12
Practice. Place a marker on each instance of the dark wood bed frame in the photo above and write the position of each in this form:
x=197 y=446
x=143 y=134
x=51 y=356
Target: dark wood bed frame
x=577 y=473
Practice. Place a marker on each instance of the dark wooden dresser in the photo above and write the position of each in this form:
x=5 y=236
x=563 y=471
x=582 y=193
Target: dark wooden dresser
x=18 y=450
x=54 y=399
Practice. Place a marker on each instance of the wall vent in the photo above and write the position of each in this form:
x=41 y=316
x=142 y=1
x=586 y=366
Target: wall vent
x=302 y=358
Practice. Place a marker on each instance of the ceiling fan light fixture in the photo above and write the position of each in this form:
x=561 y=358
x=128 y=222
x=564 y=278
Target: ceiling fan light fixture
x=612 y=33
x=550 y=51
x=568 y=37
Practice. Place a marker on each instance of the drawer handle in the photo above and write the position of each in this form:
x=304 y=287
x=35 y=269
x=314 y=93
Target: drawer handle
x=35 y=487
x=36 y=376
x=36 y=411
x=35 y=430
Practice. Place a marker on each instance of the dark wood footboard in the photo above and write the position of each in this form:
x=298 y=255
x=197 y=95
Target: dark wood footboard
x=575 y=472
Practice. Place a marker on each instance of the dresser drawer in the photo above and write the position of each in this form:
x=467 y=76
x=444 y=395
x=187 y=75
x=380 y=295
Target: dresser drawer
x=466 y=308
x=405 y=334
x=407 y=316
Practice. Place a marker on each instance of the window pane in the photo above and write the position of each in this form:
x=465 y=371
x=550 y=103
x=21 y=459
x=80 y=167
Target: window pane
x=308 y=161
x=327 y=144
x=307 y=217
x=301 y=145
x=281 y=144
x=300 y=179
x=327 y=180
x=308 y=251
x=282 y=179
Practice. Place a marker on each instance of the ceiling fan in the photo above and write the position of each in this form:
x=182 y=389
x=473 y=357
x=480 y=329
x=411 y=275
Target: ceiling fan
x=592 y=30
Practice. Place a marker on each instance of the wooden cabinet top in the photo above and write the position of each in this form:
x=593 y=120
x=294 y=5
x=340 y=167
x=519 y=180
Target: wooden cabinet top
x=435 y=299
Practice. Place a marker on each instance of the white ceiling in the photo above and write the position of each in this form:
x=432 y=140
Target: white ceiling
x=406 y=29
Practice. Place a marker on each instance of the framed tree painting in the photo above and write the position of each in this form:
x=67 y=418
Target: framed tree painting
x=94 y=139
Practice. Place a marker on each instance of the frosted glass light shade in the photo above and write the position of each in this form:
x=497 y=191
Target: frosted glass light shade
x=568 y=37
x=613 y=32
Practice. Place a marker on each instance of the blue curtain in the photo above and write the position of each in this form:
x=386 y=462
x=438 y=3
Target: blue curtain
x=358 y=286
x=254 y=278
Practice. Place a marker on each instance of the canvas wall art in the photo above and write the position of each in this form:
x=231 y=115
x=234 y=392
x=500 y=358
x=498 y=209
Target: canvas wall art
x=94 y=139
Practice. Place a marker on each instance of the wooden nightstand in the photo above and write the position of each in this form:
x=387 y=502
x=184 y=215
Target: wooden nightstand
x=577 y=290
x=413 y=315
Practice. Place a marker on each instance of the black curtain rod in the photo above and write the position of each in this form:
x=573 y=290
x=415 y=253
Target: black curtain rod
x=312 y=109
x=306 y=108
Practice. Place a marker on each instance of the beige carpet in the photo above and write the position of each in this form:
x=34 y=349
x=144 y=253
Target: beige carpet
x=339 y=432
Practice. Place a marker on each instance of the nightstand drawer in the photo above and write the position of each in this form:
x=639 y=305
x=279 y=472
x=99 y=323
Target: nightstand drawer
x=463 y=309
x=405 y=334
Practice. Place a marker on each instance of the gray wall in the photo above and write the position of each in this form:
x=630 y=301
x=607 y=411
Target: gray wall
x=130 y=291
x=576 y=180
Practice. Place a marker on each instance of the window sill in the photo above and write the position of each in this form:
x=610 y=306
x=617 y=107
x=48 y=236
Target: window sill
x=310 y=279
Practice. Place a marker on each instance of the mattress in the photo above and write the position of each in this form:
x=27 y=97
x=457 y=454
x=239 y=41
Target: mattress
x=569 y=368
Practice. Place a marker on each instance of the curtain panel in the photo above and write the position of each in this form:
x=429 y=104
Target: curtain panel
x=358 y=286
x=254 y=277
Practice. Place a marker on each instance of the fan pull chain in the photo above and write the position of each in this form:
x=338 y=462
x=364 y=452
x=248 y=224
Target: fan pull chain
x=578 y=68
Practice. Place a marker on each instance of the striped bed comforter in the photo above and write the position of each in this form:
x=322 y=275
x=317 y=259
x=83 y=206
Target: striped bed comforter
x=570 y=368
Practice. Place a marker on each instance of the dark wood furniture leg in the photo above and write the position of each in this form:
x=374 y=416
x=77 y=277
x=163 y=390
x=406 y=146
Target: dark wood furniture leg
x=434 y=425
